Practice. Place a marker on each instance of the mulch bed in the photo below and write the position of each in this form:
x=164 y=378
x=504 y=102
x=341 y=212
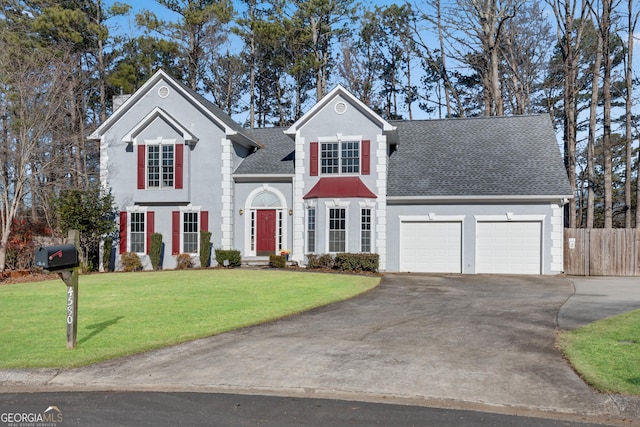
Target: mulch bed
x=24 y=276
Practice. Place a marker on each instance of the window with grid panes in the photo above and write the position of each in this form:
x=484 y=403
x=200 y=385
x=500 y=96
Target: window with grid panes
x=136 y=232
x=340 y=157
x=337 y=229
x=365 y=230
x=190 y=235
x=160 y=166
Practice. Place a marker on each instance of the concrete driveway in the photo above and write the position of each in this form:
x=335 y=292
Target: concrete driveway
x=487 y=342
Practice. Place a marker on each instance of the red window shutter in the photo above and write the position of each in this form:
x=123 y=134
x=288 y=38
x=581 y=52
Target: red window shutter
x=204 y=221
x=313 y=165
x=123 y=232
x=366 y=158
x=179 y=165
x=142 y=167
x=151 y=216
x=175 y=232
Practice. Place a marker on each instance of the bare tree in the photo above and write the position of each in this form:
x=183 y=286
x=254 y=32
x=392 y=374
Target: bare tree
x=482 y=23
x=33 y=84
x=569 y=30
x=524 y=48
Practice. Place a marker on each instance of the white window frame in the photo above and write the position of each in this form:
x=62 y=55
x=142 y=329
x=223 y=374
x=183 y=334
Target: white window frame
x=371 y=205
x=337 y=204
x=160 y=143
x=309 y=230
x=137 y=210
x=340 y=140
x=190 y=210
x=369 y=231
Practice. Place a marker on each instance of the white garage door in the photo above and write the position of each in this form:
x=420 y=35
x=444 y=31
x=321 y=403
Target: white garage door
x=431 y=247
x=508 y=247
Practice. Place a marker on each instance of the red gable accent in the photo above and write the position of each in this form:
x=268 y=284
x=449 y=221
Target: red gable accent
x=350 y=186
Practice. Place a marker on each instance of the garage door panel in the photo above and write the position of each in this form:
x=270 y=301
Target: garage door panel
x=508 y=247
x=431 y=247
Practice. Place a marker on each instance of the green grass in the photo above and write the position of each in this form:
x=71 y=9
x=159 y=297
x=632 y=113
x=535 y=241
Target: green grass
x=607 y=353
x=126 y=313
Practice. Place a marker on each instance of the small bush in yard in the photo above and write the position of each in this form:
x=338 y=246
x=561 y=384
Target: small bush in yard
x=233 y=256
x=184 y=261
x=131 y=261
x=277 y=261
x=357 y=262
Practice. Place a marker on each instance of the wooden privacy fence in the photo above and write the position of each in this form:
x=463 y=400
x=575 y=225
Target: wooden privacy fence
x=602 y=252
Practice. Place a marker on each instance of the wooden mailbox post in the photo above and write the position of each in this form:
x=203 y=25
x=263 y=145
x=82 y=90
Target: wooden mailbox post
x=64 y=260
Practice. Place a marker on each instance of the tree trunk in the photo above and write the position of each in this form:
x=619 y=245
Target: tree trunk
x=628 y=118
x=593 y=123
x=605 y=27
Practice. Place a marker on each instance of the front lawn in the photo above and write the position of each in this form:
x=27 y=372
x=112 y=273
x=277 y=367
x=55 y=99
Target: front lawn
x=126 y=313
x=607 y=353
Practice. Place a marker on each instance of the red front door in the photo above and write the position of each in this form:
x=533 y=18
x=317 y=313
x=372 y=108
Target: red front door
x=266 y=232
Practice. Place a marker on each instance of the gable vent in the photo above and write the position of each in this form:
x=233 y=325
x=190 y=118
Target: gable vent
x=340 y=107
x=163 y=92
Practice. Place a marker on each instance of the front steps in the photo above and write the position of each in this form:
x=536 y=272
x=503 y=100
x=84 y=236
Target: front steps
x=261 y=262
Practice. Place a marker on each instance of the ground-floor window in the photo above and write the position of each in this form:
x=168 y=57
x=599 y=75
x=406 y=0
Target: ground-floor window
x=311 y=230
x=337 y=229
x=137 y=234
x=365 y=230
x=190 y=232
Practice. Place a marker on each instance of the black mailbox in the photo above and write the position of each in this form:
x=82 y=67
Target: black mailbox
x=56 y=257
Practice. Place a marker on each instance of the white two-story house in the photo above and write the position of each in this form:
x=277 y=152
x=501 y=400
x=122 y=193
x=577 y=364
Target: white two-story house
x=477 y=195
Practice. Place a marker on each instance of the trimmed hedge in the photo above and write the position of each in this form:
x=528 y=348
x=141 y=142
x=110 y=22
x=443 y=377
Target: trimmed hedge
x=232 y=255
x=205 y=248
x=277 y=261
x=345 y=262
x=357 y=262
x=154 y=251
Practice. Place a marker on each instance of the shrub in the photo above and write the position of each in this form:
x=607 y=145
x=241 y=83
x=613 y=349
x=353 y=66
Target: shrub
x=205 y=248
x=131 y=261
x=106 y=254
x=344 y=262
x=155 y=250
x=357 y=262
x=184 y=261
x=233 y=256
x=277 y=261
x=319 y=262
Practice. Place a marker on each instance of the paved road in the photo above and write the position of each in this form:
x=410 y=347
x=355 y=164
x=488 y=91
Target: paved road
x=472 y=342
x=113 y=409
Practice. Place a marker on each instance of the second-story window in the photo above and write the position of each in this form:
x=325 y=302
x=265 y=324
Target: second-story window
x=340 y=157
x=160 y=166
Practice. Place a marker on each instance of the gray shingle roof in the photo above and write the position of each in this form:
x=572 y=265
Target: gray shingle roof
x=488 y=156
x=276 y=157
